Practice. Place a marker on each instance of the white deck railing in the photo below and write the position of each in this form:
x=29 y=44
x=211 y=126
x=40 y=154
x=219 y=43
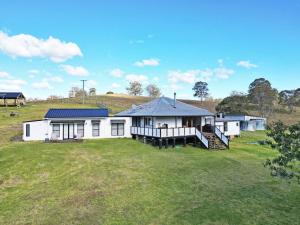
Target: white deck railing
x=222 y=137
x=164 y=132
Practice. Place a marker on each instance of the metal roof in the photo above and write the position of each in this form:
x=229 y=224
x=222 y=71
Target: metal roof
x=76 y=113
x=226 y=120
x=243 y=117
x=164 y=106
x=11 y=95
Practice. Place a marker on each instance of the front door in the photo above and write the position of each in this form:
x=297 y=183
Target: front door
x=188 y=122
x=68 y=131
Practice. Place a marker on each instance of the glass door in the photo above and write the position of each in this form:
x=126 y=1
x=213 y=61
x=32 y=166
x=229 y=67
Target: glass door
x=66 y=131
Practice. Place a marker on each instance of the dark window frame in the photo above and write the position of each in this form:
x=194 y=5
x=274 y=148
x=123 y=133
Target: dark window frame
x=53 y=130
x=119 y=134
x=225 y=126
x=98 y=133
x=80 y=129
x=27 y=130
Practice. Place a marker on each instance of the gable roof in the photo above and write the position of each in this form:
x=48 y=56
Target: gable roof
x=164 y=106
x=11 y=95
x=76 y=113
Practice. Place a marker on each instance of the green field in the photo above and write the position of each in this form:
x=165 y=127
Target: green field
x=126 y=182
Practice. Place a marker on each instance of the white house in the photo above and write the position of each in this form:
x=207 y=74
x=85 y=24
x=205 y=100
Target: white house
x=249 y=123
x=165 y=119
x=159 y=120
x=230 y=127
x=62 y=124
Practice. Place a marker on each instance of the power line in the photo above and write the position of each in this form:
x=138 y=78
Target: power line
x=83 y=92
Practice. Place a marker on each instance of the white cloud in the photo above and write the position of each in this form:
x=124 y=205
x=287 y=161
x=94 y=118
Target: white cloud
x=137 y=77
x=4 y=74
x=44 y=84
x=116 y=72
x=115 y=85
x=75 y=71
x=147 y=62
x=246 y=64
x=189 y=76
x=223 y=73
x=12 y=84
x=28 y=46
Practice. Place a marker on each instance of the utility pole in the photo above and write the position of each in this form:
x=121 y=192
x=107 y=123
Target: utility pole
x=83 y=93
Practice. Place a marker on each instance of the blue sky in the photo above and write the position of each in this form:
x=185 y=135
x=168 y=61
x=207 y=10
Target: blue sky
x=46 y=48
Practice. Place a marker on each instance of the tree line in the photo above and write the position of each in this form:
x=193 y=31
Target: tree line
x=262 y=97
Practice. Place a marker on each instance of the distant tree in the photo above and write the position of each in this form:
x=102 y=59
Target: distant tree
x=287 y=98
x=297 y=97
x=201 y=90
x=92 y=92
x=80 y=93
x=153 y=90
x=109 y=93
x=263 y=95
x=73 y=91
x=135 y=88
x=286 y=140
x=236 y=103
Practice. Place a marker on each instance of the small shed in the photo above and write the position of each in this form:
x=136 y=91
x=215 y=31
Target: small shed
x=12 y=98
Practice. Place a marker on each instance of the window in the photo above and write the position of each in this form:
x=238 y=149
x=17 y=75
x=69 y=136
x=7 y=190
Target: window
x=237 y=124
x=148 y=121
x=80 y=130
x=225 y=126
x=56 y=130
x=27 y=130
x=96 y=129
x=117 y=129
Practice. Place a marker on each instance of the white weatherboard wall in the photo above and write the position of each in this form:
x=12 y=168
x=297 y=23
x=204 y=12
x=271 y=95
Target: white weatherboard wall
x=233 y=128
x=38 y=130
x=41 y=130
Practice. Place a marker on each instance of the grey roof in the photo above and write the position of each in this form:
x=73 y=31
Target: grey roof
x=164 y=106
x=243 y=117
x=226 y=120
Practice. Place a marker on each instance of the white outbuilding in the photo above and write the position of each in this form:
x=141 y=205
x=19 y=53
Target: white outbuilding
x=62 y=124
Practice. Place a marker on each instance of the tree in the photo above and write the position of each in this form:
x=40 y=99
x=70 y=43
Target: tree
x=287 y=98
x=135 y=88
x=263 y=95
x=73 y=91
x=201 y=90
x=286 y=140
x=76 y=92
x=92 y=92
x=236 y=103
x=153 y=90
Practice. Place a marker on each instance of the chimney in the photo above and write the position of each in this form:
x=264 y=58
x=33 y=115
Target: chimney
x=174 y=100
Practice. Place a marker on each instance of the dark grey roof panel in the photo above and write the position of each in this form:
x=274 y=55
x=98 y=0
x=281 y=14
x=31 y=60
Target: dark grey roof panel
x=164 y=106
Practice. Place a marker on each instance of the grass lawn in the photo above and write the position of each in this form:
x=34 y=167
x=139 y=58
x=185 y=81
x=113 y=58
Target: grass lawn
x=127 y=182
